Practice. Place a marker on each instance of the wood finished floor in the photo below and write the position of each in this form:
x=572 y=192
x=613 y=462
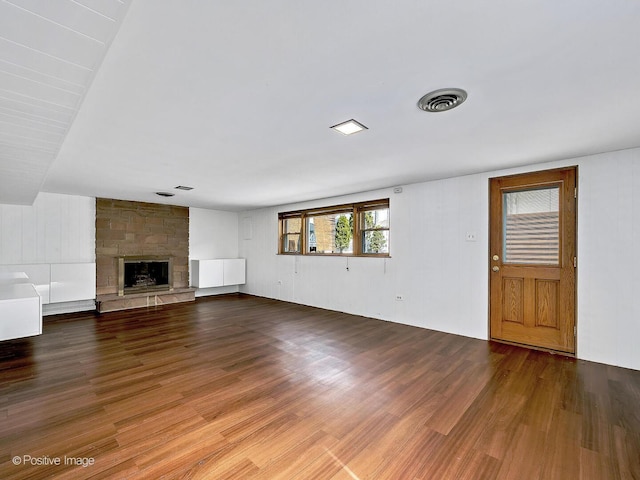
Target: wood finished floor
x=239 y=387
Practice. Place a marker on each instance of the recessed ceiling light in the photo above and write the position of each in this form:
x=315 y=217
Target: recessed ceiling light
x=182 y=187
x=349 y=127
x=165 y=194
x=442 y=100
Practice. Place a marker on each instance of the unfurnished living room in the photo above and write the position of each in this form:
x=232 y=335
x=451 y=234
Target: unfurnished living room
x=319 y=240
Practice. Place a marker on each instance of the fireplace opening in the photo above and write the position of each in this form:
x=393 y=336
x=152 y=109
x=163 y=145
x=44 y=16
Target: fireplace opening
x=143 y=274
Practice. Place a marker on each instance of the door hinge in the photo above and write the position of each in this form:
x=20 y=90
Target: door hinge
x=575 y=330
x=575 y=262
x=575 y=192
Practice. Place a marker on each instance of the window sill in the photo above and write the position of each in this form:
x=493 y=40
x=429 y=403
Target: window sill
x=347 y=255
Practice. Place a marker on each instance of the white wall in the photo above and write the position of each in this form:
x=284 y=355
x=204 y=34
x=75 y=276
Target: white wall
x=609 y=259
x=444 y=279
x=55 y=229
x=212 y=234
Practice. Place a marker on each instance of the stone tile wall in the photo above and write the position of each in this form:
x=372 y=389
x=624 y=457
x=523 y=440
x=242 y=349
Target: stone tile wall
x=125 y=228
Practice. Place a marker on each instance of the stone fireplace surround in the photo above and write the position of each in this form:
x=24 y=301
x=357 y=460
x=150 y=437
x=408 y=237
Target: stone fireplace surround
x=136 y=229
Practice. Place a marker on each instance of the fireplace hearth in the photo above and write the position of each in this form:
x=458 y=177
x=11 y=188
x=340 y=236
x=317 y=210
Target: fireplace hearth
x=144 y=274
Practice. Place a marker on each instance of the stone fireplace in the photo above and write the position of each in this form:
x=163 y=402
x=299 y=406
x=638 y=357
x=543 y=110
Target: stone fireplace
x=142 y=254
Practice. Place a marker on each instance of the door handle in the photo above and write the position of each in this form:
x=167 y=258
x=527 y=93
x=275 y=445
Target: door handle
x=495 y=268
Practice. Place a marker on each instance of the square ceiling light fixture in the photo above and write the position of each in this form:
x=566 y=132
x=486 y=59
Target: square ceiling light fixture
x=349 y=127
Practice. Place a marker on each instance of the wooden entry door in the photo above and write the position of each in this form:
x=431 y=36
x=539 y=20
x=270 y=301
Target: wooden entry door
x=532 y=264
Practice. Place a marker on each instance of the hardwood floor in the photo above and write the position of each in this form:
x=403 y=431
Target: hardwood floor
x=239 y=387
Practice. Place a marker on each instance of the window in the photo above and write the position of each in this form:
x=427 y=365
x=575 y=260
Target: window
x=291 y=234
x=532 y=226
x=374 y=231
x=360 y=229
x=330 y=232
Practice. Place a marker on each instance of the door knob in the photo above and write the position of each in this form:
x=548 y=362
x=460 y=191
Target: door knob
x=495 y=258
x=496 y=268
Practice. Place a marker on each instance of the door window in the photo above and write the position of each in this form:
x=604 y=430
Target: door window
x=531 y=226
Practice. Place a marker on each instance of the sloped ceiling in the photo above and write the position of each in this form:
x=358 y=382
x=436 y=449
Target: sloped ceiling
x=49 y=53
x=236 y=99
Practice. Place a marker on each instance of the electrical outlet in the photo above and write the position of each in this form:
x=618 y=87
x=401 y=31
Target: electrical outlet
x=399 y=298
x=471 y=236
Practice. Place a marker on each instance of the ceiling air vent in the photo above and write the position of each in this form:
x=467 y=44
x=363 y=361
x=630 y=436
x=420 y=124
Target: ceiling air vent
x=442 y=100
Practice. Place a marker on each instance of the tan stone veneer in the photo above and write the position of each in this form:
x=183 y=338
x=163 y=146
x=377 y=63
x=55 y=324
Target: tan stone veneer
x=125 y=228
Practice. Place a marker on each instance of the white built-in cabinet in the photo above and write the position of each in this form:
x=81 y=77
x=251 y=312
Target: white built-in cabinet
x=25 y=288
x=218 y=272
x=72 y=282
x=20 y=311
x=37 y=274
x=58 y=282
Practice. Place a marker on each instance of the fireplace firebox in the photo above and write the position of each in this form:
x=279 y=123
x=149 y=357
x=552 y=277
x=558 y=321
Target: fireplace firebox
x=144 y=274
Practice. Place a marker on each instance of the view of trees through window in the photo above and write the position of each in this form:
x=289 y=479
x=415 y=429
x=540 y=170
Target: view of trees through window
x=376 y=231
x=357 y=229
x=344 y=233
x=331 y=233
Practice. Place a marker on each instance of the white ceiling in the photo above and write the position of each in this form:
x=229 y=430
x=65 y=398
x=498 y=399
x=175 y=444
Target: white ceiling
x=236 y=98
x=49 y=53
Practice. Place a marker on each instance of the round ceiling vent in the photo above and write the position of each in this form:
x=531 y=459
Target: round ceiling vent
x=442 y=100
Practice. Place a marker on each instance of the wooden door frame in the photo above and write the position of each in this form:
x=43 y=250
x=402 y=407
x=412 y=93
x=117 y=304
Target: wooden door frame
x=565 y=256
